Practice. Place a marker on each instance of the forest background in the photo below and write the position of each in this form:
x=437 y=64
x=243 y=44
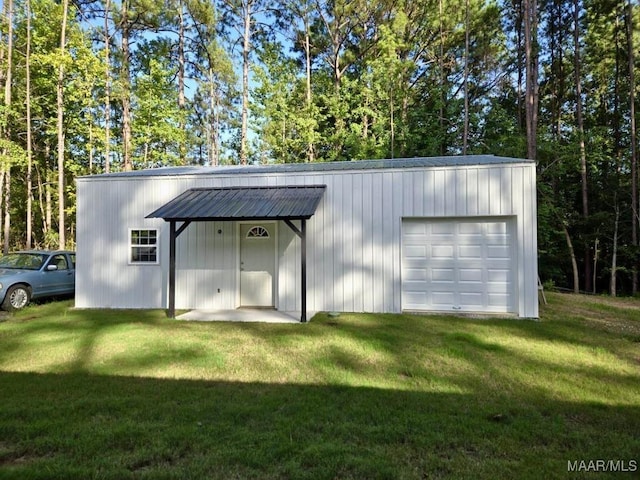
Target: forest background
x=103 y=86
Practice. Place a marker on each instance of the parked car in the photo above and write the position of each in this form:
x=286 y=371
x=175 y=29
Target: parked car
x=35 y=274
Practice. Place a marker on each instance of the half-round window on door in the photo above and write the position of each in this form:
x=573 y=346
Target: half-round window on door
x=258 y=232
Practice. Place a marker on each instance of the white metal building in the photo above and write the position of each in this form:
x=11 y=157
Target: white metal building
x=445 y=234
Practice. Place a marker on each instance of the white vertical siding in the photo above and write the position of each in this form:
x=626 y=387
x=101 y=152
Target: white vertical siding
x=395 y=226
x=205 y=266
x=439 y=192
x=377 y=239
x=354 y=239
x=530 y=248
x=106 y=213
x=288 y=268
x=461 y=192
x=472 y=193
x=417 y=197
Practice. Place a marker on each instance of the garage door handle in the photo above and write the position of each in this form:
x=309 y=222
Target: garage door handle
x=457 y=308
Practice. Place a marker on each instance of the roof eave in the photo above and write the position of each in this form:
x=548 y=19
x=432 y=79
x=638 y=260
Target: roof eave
x=230 y=219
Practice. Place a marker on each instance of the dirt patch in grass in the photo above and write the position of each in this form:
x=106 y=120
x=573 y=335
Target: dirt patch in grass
x=613 y=315
x=13 y=457
x=621 y=327
x=620 y=303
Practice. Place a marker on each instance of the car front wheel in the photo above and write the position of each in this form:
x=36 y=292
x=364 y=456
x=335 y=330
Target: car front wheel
x=17 y=297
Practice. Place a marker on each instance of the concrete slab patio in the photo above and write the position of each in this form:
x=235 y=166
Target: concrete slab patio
x=244 y=315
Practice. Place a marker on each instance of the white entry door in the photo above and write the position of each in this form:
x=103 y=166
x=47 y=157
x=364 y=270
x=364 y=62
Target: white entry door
x=464 y=264
x=257 y=264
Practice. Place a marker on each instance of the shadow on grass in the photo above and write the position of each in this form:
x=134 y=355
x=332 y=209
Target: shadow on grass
x=89 y=426
x=456 y=398
x=63 y=324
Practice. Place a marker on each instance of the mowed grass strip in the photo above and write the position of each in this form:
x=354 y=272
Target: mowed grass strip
x=132 y=394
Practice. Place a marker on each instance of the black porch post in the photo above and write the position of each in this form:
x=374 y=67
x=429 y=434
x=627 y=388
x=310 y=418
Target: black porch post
x=303 y=258
x=172 y=269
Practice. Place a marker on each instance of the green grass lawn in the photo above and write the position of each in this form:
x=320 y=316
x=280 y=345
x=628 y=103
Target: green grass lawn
x=134 y=395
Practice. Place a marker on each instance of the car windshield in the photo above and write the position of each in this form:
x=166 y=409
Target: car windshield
x=23 y=261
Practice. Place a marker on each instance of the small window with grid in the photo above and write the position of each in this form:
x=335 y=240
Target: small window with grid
x=143 y=247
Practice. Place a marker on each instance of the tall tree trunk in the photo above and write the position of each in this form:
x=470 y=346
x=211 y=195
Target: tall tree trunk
x=7 y=211
x=214 y=150
x=3 y=174
x=615 y=123
x=181 y=96
x=556 y=50
x=246 y=50
x=311 y=155
x=60 y=127
x=465 y=137
x=518 y=8
x=49 y=202
x=634 y=145
x=90 y=147
x=557 y=86
x=441 y=78
x=8 y=76
x=44 y=196
x=614 y=255
x=2 y=41
x=6 y=174
x=107 y=89
x=29 y=215
x=41 y=203
x=580 y=127
x=596 y=251
x=125 y=78
x=531 y=67
x=392 y=123
x=572 y=255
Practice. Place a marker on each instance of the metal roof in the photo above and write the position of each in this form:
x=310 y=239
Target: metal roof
x=450 y=161
x=243 y=203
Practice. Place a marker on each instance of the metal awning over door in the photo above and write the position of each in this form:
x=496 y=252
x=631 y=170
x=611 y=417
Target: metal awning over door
x=243 y=203
x=286 y=203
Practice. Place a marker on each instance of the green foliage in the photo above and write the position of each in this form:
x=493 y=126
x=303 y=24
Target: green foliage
x=285 y=132
x=387 y=79
x=156 y=126
x=11 y=154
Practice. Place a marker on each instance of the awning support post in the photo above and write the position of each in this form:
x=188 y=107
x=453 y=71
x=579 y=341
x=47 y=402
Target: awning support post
x=302 y=234
x=172 y=270
x=303 y=269
x=173 y=235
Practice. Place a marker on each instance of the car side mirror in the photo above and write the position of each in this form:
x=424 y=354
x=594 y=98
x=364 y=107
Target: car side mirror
x=51 y=268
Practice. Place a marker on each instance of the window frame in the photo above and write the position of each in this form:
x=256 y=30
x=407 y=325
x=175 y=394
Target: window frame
x=132 y=246
x=52 y=261
x=258 y=237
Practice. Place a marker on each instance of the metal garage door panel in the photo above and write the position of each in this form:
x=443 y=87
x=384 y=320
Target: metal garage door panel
x=458 y=265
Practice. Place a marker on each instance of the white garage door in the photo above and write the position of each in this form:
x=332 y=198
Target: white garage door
x=463 y=265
